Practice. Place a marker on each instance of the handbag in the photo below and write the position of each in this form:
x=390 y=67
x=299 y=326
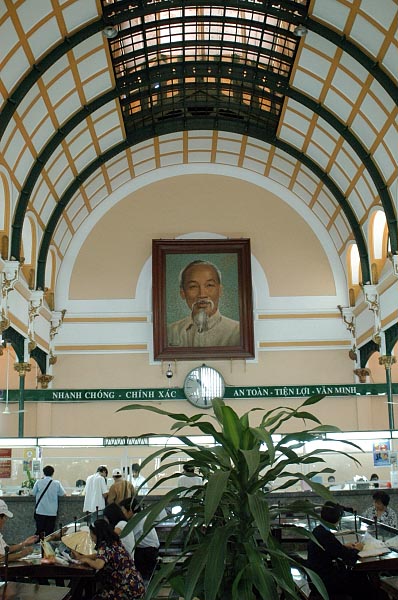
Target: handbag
x=41 y=496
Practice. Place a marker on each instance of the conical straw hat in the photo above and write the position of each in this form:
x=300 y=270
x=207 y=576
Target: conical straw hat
x=79 y=541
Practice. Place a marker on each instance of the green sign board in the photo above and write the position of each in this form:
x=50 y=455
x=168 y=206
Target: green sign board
x=231 y=392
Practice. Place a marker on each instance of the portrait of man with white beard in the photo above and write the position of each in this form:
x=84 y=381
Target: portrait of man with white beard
x=201 y=287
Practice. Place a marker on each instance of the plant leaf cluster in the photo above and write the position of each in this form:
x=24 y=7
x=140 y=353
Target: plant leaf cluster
x=224 y=529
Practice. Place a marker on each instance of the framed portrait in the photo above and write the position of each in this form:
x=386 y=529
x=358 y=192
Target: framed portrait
x=202 y=299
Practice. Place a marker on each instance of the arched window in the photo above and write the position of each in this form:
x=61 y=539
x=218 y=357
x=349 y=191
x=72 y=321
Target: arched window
x=379 y=227
x=354 y=264
x=27 y=241
x=354 y=273
x=378 y=243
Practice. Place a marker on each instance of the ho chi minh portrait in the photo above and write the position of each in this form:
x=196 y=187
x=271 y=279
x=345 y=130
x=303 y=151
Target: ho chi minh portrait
x=201 y=287
x=200 y=298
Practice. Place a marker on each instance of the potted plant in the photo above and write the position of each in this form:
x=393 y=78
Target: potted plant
x=28 y=483
x=228 y=551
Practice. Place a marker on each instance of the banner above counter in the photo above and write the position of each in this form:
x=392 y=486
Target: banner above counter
x=231 y=392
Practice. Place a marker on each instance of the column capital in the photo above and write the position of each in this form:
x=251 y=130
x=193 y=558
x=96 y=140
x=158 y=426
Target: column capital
x=387 y=360
x=22 y=368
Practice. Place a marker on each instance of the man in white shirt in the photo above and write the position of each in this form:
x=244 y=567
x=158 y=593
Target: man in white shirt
x=147 y=550
x=16 y=551
x=188 y=479
x=137 y=480
x=96 y=490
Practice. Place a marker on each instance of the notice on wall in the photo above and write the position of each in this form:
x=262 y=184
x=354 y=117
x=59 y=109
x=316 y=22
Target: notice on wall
x=5 y=463
x=381 y=453
x=28 y=455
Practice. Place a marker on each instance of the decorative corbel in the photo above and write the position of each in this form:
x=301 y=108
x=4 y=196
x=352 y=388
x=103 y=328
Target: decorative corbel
x=8 y=278
x=372 y=299
x=57 y=318
x=394 y=260
x=44 y=380
x=347 y=314
x=35 y=304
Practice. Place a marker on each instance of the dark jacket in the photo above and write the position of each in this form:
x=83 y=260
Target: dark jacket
x=323 y=560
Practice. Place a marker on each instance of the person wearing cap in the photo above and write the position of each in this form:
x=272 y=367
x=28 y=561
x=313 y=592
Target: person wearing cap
x=138 y=480
x=96 y=490
x=120 y=489
x=16 y=551
x=47 y=491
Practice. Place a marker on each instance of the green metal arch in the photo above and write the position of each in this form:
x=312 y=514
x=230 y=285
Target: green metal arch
x=391 y=335
x=202 y=123
x=17 y=341
x=103 y=158
x=146 y=8
x=94 y=27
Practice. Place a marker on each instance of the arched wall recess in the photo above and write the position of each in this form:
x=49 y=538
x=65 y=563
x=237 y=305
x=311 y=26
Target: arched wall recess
x=313 y=25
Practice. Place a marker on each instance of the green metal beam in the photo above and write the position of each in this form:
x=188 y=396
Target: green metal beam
x=102 y=159
x=245 y=128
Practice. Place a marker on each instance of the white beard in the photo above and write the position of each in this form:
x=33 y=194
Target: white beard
x=201 y=318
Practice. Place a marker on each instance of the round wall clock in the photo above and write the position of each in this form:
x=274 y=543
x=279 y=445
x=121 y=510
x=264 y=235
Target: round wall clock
x=202 y=385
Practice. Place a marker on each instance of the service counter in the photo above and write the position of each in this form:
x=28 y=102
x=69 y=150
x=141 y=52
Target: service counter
x=22 y=524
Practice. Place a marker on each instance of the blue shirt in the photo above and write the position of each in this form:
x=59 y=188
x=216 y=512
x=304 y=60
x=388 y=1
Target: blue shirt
x=49 y=503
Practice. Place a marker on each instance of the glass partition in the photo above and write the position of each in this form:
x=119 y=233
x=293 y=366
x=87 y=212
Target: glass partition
x=76 y=458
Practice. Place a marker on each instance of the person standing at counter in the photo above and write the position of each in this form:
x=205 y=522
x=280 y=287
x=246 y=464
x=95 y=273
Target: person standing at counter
x=381 y=510
x=96 y=490
x=116 y=518
x=138 y=480
x=16 y=551
x=119 y=489
x=47 y=492
x=189 y=479
x=147 y=550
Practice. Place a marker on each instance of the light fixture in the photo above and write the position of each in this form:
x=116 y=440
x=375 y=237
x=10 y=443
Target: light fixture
x=300 y=31
x=169 y=372
x=18 y=442
x=110 y=32
x=70 y=441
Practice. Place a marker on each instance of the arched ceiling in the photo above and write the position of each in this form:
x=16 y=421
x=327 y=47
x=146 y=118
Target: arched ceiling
x=82 y=114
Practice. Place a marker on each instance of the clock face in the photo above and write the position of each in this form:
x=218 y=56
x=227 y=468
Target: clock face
x=202 y=385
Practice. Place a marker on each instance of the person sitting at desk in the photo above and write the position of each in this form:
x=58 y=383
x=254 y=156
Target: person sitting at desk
x=323 y=557
x=16 y=551
x=118 y=579
x=381 y=510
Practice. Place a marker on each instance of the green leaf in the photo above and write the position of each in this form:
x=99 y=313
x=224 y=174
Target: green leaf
x=252 y=458
x=260 y=511
x=214 y=490
x=197 y=564
x=232 y=427
x=313 y=400
x=215 y=566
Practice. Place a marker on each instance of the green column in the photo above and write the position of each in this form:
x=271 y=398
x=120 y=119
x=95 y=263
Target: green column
x=388 y=360
x=22 y=369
